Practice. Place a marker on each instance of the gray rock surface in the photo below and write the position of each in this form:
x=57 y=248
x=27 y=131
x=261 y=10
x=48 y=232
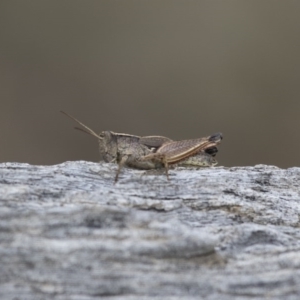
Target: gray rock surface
x=68 y=232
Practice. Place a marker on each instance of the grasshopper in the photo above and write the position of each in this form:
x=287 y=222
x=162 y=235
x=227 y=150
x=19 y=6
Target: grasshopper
x=153 y=152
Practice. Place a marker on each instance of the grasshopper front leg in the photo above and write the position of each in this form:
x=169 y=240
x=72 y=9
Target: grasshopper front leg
x=120 y=166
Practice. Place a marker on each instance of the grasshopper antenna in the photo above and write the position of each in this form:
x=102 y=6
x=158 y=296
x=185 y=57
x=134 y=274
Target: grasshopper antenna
x=86 y=129
x=81 y=129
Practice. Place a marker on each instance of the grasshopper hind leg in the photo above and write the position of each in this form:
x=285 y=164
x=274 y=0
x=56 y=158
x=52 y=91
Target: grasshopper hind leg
x=164 y=160
x=166 y=165
x=212 y=151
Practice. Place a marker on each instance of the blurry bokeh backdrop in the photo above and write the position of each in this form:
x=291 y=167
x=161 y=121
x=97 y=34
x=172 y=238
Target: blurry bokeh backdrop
x=183 y=69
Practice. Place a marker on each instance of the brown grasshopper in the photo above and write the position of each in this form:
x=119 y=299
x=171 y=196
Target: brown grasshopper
x=153 y=152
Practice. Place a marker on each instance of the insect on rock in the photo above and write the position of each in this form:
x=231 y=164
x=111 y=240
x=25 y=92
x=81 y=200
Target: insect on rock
x=153 y=152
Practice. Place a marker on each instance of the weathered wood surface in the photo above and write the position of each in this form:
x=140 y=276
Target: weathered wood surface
x=68 y=232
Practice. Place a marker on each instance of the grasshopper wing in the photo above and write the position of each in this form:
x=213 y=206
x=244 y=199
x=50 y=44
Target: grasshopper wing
x=154 y=141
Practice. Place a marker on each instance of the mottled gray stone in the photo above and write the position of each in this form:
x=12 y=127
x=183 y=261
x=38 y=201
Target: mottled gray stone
x=68 y=232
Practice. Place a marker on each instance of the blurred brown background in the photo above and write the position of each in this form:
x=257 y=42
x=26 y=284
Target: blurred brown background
x=183 y=69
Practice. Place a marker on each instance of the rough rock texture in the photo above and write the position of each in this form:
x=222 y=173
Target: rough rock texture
x=68 y=232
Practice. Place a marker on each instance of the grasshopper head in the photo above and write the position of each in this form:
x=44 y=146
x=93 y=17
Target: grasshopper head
x=108 y=147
